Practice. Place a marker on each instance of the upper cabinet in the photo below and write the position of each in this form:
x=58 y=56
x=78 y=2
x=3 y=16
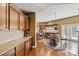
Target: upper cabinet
x=14 y=18
x=22 y=22
x=3 y=15
x=27 y=23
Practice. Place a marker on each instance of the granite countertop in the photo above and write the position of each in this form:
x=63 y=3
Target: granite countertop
x=4 y=47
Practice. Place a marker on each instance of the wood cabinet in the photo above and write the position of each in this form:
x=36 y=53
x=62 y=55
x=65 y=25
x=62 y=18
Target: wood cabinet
x=22 y=22
x=27 y=46
x=14 y=18
x=20 y=50
x=27 y=23
x=3 y=15
x=10 y=53
x=41 y=27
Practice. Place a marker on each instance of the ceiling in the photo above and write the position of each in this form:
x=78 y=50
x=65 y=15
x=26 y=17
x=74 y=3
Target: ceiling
x=36 y=7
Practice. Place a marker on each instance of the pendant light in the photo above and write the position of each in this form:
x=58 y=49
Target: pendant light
x=55 y=16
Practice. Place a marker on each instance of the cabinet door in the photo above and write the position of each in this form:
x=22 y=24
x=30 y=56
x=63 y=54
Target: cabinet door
x=27 y=46
x=22 y=22
x=3 y=15
x=20 y=50
x=27 y=23
x=14 y=18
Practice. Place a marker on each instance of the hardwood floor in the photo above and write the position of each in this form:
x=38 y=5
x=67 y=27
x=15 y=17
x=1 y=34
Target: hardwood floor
x=42 y=50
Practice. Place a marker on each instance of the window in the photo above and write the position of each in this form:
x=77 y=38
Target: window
x=70 y=29
x=74 y=34
x=64 y=31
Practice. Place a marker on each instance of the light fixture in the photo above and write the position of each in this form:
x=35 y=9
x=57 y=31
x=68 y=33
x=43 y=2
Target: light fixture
x=55 y=16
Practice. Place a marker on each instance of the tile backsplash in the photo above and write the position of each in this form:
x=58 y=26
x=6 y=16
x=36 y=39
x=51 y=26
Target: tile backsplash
x=7 y=35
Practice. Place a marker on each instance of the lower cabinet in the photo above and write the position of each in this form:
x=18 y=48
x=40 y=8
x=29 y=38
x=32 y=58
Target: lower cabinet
x=9 y=53
x=20 y=50
x=27 y=46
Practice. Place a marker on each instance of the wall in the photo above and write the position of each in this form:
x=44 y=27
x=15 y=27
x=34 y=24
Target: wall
x=8 y=35
x=62 y=11
x=68 y=20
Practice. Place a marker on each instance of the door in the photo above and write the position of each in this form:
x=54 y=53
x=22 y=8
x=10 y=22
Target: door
x=3 y=15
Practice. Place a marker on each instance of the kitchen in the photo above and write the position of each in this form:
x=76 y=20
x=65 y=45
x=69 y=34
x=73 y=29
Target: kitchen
x=16 y=35
x=29 y=29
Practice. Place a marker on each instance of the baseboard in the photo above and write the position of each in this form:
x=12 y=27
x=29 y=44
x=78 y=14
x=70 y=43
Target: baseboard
x=33 y=46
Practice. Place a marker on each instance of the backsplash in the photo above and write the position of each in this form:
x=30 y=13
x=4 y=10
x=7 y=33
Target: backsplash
x=7 y=35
